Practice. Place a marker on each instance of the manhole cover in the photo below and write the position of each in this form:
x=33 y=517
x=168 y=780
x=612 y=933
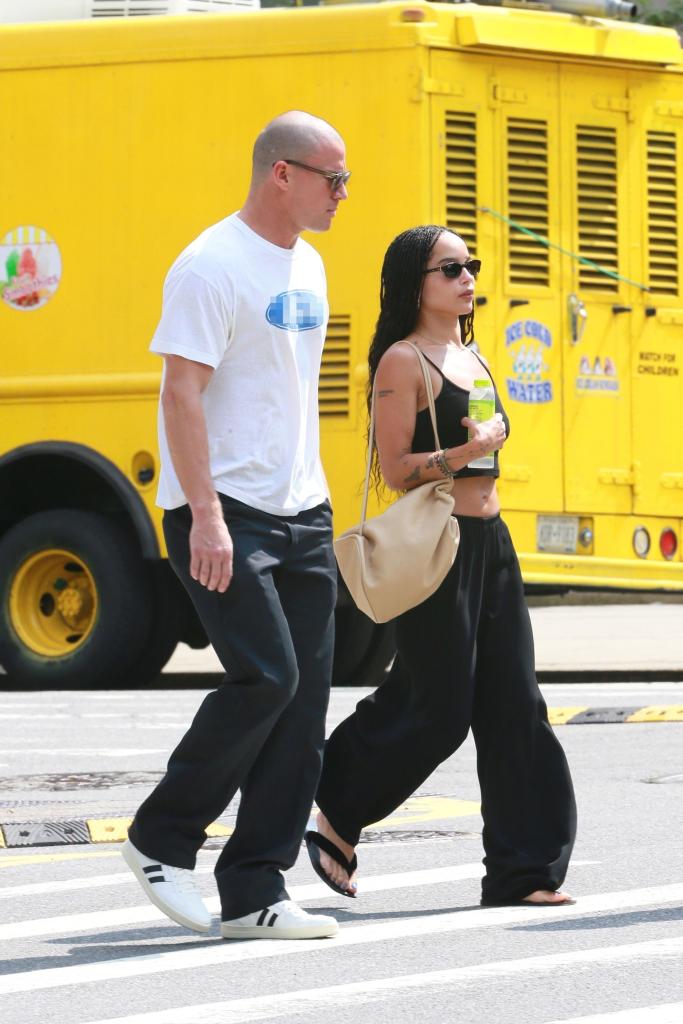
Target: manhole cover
x=79 y=780
x=414 y=835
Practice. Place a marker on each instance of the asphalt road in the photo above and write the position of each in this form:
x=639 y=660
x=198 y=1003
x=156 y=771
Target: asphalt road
x=79 y=944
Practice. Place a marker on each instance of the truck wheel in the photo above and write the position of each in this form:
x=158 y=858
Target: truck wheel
x=167 y=613
x=363 y=650
x=75 y=601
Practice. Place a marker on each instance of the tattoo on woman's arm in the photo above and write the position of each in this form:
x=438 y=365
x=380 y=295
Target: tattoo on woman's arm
x=414 y=476
x=384 y=393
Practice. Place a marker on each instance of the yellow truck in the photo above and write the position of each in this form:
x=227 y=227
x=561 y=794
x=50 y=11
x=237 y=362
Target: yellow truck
x=551 y=141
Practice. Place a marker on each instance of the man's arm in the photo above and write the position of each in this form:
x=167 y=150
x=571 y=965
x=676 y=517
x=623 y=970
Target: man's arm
x=210 y=541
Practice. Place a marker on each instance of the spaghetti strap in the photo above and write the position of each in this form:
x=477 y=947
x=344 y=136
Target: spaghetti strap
x=438 y=369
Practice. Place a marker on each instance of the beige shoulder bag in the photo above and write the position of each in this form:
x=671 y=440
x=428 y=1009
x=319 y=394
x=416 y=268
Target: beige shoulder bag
x=394 y=561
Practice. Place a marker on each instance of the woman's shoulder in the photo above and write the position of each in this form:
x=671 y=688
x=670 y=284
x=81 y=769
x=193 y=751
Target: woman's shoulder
x=399 y=356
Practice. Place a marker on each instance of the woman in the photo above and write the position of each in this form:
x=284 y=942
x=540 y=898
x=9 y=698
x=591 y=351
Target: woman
x=465 y=655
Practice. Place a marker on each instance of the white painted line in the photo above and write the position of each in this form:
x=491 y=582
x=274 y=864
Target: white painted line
x=68 y=923
x=206 y=954
x=101 y=714
x=32 y=717
x=285 y=1004
x=42 y=704
x=85 y=751
x=670 y=1013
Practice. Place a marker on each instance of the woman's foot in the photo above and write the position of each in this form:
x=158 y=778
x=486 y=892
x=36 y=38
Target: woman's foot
x=548 y=898
x=334 y=871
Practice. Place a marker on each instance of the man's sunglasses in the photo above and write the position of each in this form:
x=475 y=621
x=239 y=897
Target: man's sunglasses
x=335 y=178
x=454 y=269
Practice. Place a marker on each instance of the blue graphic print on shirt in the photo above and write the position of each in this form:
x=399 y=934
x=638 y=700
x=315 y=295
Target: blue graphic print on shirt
x=296 y=311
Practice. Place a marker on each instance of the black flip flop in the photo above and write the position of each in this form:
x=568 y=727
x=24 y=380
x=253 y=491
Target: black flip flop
x=316 y=842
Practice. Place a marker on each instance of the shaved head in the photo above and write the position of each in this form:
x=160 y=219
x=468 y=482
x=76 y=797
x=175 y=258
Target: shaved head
x=291 y=136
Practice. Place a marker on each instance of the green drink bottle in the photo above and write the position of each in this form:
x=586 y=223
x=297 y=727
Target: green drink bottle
x=482 y=406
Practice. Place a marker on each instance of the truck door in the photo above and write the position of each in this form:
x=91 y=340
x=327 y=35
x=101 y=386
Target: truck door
x=499 y=157
x=598 y=197
x=657 y=347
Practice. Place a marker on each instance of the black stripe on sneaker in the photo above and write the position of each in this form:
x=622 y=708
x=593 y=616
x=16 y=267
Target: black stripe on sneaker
x=272 y=920
x=152 y=869
x=262 y=916
x=156 y=878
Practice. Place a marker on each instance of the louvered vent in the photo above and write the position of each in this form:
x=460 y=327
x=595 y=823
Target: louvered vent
x=527 y=179
x=662 y=211
x=215 y=6
x=129 y=8
x=335 y=371
x=461 y=176
x=596 y=155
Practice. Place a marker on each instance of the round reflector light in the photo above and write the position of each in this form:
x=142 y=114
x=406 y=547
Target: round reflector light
x=668 y=542
x=641 y=541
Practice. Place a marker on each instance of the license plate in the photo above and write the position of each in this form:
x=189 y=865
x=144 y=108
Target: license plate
x=557 y=533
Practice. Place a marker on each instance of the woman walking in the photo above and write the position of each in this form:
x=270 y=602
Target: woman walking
x=465 y=655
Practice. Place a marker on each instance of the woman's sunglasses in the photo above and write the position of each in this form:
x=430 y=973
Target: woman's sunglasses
x=454 y=269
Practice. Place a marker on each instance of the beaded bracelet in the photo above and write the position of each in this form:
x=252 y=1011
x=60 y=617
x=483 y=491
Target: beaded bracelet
x=440 y=458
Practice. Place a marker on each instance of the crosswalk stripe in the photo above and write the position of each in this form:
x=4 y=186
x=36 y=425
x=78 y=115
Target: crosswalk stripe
x=669 y=1013
x=43 y=926
x=209 y=953
x=285 y=1004
x=67 y=923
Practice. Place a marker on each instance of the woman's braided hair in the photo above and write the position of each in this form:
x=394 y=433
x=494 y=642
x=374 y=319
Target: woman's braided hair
x=401 y=287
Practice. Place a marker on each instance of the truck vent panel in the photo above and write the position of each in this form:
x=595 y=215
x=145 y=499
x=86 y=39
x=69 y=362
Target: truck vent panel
x=128 y=8
x=140 y=8
x=596 y=203
x=662 y=212
x=335 y=372
x=527 y=184
x=460 y=136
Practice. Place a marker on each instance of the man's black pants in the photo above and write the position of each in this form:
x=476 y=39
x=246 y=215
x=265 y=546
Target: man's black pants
x=466 y=658
x=263 y=730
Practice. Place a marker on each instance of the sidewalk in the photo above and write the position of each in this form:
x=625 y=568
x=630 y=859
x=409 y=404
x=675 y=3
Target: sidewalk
x=569 y=638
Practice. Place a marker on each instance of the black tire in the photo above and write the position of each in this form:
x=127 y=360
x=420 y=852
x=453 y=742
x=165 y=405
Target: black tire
x=167 y=613
x=119 y=594
x=363 y=650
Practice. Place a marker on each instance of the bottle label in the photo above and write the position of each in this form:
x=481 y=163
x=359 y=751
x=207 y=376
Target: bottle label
x=482 y=406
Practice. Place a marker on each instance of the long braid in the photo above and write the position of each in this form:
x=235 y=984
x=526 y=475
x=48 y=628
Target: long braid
x=401 y=287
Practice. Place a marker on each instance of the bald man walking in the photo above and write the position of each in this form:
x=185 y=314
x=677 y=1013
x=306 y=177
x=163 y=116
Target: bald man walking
x=247 y=522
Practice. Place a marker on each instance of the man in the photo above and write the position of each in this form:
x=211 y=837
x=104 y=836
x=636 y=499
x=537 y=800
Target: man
x=247 y=524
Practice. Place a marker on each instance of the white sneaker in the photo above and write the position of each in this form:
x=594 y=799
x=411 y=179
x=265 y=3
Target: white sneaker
x=171 y=889
x=283 y=920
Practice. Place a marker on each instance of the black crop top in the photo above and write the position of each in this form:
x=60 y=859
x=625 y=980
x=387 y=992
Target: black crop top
x=451 y=405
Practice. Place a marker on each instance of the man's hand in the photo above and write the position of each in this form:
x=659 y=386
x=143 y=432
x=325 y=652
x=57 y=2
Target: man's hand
x=211 y=550
x=490 y=434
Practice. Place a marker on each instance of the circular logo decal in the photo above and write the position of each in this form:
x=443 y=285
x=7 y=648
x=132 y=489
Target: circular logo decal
x=30 y=268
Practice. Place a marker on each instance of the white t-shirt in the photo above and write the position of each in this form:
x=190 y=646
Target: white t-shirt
x=257 y=314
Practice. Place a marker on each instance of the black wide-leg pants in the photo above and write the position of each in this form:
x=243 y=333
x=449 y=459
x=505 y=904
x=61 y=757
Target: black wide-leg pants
x=465 y=659
x=263 y=730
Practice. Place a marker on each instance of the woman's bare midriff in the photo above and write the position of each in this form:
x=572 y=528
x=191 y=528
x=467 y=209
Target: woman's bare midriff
x=476 y=496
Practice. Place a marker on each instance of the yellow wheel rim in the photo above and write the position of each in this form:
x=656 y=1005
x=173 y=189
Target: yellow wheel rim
x=53 y=603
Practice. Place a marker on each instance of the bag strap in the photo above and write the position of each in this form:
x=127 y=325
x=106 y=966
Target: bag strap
x=371 y=436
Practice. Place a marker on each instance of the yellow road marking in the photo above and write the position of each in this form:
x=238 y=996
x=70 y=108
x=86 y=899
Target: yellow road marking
x=428 y=808
x=560 y=716
x=658 y=713
x=108 y=830
x=46 y=858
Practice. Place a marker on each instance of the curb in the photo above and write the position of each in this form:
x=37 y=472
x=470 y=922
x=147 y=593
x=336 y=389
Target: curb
x=77 y=832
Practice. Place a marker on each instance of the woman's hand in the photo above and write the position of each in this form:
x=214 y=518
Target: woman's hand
x=490 y=433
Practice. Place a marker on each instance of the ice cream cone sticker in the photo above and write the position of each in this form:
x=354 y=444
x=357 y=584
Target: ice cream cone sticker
x=30 y=268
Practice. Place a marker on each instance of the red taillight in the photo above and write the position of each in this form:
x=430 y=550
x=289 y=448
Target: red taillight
x=668 y=543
